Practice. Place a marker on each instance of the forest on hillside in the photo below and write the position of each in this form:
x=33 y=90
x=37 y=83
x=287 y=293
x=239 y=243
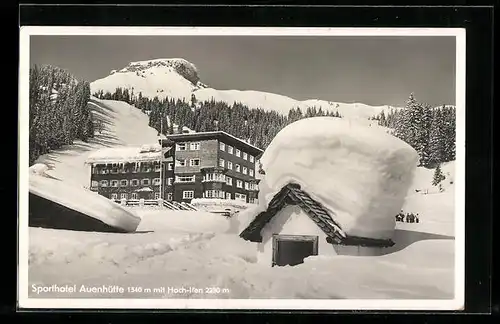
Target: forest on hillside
x=58 y=110
x=431 y=131
x=257 y=126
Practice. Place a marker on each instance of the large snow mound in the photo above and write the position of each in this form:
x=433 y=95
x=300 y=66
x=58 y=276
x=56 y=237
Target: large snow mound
x=83 y=201
x=361 y=175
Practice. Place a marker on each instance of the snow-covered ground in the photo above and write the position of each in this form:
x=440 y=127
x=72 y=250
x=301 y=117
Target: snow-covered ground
x=197 y=249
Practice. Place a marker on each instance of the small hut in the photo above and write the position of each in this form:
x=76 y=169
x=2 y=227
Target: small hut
x=295 y=226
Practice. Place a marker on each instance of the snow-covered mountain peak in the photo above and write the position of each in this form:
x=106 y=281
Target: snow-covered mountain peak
x=183 y=67
x=178 y=78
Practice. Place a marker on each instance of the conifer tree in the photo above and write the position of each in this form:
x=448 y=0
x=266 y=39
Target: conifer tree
x=438 y=176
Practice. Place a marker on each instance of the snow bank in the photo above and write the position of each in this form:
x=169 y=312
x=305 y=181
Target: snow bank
x=360 y=174
x=166 y=220
x=83 y=201
x=218 y=204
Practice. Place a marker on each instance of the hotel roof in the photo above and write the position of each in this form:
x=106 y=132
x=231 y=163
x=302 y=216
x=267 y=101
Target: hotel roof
x=228 y=139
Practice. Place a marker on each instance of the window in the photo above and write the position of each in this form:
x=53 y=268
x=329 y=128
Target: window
x=157 y=167
x=240 y=197
x=292 y=249
x=215 y=194
x=181 y=147
x=135 y=168
x=238 y=168
x=156 y=181
x=238 y=153
x=123 y=195
x=104 y=183
x=134 y=182
x=114 y=183
x=169 y=181
x=145 y=182
x=229 y=165
x=188 y=194
x=169 y=196
x=229 y=149
x=94 y=184
x=195 y=146
x=221 y=162
x=170 y=166
x=194 y=162
x=157 y=195
x=245 y=156
x=229 y=181
x=123 y=183
x=222 y=146
x=228 y=195
x=245 y=170
x=184 y=178
x=246 y=186
x=239 y=183
x=123 y=170
x=146 y=168
x=251 y=158
x=214 y=177
x=180 y=162
x=251 y=172
x=134 y=195
x=114 y=196
x=114 y=170
x=104 y=171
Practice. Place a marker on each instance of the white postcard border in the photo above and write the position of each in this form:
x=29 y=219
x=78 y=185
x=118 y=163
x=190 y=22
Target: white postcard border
x=25 y=302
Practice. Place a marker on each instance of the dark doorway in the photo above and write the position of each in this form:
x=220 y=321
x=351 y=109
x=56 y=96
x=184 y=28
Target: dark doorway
x=293 y=249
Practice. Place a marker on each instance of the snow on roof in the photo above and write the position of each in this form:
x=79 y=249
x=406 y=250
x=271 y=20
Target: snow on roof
x=360 y=174
x=144 y=153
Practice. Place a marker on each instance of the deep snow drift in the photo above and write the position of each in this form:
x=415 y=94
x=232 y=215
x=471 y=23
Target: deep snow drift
x=359 y=174
x=82 y=201
x=183 y=249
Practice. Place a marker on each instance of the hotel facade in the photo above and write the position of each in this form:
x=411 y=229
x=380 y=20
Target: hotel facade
x=182 y=167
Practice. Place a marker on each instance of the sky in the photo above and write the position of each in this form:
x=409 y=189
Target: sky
x=371 y=70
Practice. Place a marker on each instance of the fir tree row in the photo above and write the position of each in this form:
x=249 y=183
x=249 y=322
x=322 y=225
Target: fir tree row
x=256 y=126
x=58 y=110
x=430 y=131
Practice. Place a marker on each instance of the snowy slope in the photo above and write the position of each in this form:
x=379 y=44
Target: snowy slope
x=124 y=125
x=178 y=78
